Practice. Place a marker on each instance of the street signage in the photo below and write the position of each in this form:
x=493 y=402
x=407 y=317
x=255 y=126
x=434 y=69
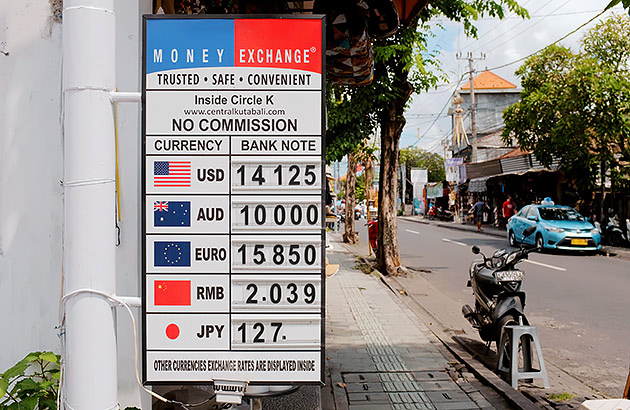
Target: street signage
x=233 y=191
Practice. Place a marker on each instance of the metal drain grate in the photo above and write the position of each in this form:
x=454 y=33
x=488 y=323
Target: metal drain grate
x=398 y=389
x=404 y=378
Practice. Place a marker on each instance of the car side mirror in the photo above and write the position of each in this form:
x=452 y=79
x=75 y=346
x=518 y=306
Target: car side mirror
x=532 y=218
x=528 y=231
x=475 y=250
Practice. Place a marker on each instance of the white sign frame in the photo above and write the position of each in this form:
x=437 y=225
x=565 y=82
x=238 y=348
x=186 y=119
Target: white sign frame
x=190 y=190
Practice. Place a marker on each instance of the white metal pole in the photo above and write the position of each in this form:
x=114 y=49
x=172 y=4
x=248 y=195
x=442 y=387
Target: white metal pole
x=89 y=195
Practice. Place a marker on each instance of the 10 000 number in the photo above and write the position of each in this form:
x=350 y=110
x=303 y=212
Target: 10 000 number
x=295 y=215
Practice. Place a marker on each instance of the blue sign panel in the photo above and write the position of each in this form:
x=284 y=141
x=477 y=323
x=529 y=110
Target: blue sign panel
x=175 y=44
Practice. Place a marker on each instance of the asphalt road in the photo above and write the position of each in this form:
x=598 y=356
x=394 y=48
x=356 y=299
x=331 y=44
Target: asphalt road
x=578 y=303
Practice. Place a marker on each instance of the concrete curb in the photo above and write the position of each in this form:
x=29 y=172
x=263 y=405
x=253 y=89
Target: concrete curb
x=516 y=399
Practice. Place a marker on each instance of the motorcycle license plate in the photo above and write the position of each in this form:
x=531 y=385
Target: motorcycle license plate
x=578 y=241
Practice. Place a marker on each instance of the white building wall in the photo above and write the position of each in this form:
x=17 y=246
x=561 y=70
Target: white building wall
x=31 y=168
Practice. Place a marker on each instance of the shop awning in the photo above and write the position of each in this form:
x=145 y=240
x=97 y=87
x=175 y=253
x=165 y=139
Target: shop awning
x=519 y=165
x=478 y=184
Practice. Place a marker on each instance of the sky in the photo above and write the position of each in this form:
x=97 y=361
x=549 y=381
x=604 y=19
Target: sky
x=502 y=42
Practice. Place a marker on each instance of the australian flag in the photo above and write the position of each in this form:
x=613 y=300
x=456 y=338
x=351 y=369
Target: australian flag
x=171 y=253
x=171 y=213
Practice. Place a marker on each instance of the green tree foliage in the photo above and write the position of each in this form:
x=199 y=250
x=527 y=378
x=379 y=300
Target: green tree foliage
x=467 y=12
x=360 y=187
x=351 y=118
x=613 y=3
x=403 y=66
x=414 y=157
x=32 y=383
x=575 y=106
x=354 y=112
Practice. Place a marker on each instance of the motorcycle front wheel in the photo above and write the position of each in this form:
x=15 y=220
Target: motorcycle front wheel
x=506 y=361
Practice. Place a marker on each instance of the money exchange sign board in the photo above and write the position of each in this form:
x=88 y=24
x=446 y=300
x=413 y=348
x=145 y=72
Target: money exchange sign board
x=233 y=183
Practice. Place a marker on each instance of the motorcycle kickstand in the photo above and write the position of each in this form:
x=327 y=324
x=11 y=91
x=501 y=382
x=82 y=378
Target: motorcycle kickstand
x=488 y=344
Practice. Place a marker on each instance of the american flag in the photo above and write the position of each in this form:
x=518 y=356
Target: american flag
x=171 y=173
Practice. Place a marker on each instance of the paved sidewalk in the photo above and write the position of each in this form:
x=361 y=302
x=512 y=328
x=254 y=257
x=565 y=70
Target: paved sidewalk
x=379 y=355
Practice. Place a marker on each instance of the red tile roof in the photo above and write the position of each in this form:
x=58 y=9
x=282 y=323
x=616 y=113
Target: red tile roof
x=488 y=80
x=516 y=153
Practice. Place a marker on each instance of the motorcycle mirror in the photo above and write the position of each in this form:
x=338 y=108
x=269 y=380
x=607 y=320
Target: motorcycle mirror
x=528 y=231
x=475 y=250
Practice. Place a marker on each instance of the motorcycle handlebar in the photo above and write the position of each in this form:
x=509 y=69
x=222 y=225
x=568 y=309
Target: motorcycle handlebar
x=524 y=253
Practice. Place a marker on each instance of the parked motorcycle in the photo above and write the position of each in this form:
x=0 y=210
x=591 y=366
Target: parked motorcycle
x=612 y=232
x=357 y=213
x=499 y=220
x=444 y=214
x=496 y=285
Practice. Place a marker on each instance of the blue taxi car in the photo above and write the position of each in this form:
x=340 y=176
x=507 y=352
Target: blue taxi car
x=557 y=227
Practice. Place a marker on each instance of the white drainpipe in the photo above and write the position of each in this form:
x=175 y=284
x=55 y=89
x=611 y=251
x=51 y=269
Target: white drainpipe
x=89 y=198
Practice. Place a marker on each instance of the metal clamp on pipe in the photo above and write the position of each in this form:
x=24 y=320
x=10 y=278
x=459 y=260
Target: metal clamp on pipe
x=229 y=391
x=122 y=96
x=131 y=301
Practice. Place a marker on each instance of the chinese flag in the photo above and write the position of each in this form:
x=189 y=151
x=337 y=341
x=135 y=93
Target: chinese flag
x=172 y=293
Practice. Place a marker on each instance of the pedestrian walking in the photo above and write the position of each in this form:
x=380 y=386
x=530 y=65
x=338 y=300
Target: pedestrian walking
x=509 y=208
x=478 y=209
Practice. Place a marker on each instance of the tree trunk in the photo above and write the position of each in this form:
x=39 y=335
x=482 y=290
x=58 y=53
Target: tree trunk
x=350 y=235
x=392 y=123
x=369 y=191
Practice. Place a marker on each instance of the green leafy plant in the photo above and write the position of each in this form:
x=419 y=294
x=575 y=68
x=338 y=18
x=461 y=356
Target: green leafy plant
x=564 y=396
x=32 y=383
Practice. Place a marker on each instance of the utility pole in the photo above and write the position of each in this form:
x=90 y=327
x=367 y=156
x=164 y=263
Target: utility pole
x=89 y=254
x=338 y=177
x=473 y=104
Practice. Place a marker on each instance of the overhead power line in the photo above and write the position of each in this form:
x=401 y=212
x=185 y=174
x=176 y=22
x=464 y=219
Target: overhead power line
x=503 y=21
x=555 y=42
x=479 y=47
x=511 y=63
x=534 y=16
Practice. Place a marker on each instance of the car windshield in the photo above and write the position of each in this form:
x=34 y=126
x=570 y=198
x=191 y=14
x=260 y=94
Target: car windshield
x=560 y=214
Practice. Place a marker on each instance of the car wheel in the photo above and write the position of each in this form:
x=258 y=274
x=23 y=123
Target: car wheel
x=615 y=239
x=540 y=244
x=512 y=239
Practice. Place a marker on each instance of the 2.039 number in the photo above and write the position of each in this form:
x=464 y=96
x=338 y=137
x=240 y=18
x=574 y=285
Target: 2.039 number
x=275 y=293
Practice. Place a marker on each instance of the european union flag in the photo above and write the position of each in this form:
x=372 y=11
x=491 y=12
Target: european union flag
x=171 y=213
x=171 y=253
